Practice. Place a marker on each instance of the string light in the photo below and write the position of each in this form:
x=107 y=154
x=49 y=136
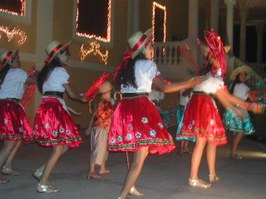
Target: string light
x=22 y=10
x=90 y=36
x=95 y=50
x=159 y=6
x=14 y=32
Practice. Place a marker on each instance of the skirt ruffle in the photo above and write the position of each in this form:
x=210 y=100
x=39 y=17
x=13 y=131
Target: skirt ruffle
x=238 y=124
x=14 y=124
x=137 y=123
x=53 y=125
x=201 y=118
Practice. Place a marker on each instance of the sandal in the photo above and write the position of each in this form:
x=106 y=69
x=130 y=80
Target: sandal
x=93 y=177
x=105 y=172
x=10 y=171
x=134 y=192
x=3 y=180
x=198 y=183
x=236 y=156
x=213 y=178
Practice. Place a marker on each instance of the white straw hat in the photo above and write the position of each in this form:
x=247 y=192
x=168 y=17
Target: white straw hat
x=138 y=40
x=244 y=68
x=53 y=48
x=6 y=56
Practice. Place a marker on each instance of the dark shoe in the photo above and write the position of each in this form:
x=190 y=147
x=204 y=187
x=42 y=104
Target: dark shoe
x=236 y=157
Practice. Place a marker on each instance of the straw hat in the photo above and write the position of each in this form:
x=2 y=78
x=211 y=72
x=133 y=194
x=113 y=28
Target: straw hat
x=238 y=70
x=54 y=48
x=6 y=56
x=138 y=40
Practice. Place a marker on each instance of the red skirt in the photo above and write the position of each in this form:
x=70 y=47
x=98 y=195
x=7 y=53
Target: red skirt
x=201 y=118
x=137 y=123
x=14 y=124
x=54 y=126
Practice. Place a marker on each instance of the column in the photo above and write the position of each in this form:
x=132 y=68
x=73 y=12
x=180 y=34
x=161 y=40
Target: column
x=193 y=19
x=133 y=17
x=230 y=21
x=214 y=16
x=259 y=30
x=243 y=21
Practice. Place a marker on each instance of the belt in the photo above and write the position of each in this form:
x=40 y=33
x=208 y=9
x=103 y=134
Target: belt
x=128 y=95
x=54 y=93
x=13 y=99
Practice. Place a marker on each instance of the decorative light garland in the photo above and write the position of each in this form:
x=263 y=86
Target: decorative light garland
x=87 y=35
x=11 y=33
x=22 y=11
x=157 y=5
x=95 y=50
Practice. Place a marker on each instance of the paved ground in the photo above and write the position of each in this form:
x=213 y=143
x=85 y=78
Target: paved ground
x=163 y=177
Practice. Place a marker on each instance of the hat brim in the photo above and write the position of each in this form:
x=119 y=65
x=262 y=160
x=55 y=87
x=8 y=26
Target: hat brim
x=50 y=58
x=148 y=34
x=238 y=70
x=7 y=60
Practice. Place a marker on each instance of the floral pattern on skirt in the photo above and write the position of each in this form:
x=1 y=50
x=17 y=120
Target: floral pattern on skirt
x=14 y=124
x=201 y=118
x=137 y=123
x=53 y=125
x=238 y=124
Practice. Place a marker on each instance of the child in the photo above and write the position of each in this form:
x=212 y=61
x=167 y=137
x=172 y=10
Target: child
x=184 y=97
x=99 y=125
x=53 y=125
x=240 y=126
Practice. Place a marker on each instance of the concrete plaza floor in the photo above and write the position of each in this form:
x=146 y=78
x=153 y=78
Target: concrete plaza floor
x=163 y=177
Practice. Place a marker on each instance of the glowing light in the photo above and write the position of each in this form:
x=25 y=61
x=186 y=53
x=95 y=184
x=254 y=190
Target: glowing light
x=95 y=50
x=22 y=11
x=159 y=6
x=87 y=35
x=14 y=32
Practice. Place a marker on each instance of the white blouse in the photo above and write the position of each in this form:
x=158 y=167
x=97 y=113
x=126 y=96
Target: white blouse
x=210 y=85
x=13 y=85
x=241 y=90
x=145 y=72
x=56 y=80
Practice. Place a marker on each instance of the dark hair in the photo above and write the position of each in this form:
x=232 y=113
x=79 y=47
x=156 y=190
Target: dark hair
x=3 y=73
x=236 y=81
x=126 y=75
x=46 y=71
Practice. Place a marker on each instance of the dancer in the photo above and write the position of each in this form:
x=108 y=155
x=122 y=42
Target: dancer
x=53 y=125
x=240 y=126
x=201 y=118
x=184 y=97
x=100 y=93
x=14 y=125
x=136 y=124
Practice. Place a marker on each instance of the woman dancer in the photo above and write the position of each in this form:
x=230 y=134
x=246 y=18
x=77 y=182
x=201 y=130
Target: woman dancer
x=14 y=125
x=53 y=125
x=136 y=124
x=201 y=118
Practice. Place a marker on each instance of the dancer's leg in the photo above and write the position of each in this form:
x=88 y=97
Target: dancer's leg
x=134 y=171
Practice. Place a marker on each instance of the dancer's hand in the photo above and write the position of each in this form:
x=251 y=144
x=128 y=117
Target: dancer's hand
x=257 y=108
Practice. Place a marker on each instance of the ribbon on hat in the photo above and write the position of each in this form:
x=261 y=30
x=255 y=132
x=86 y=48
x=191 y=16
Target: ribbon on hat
x=126 y=57
x=7 y=57
x=29 y=90
x=138 y=44
x=52 y=53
